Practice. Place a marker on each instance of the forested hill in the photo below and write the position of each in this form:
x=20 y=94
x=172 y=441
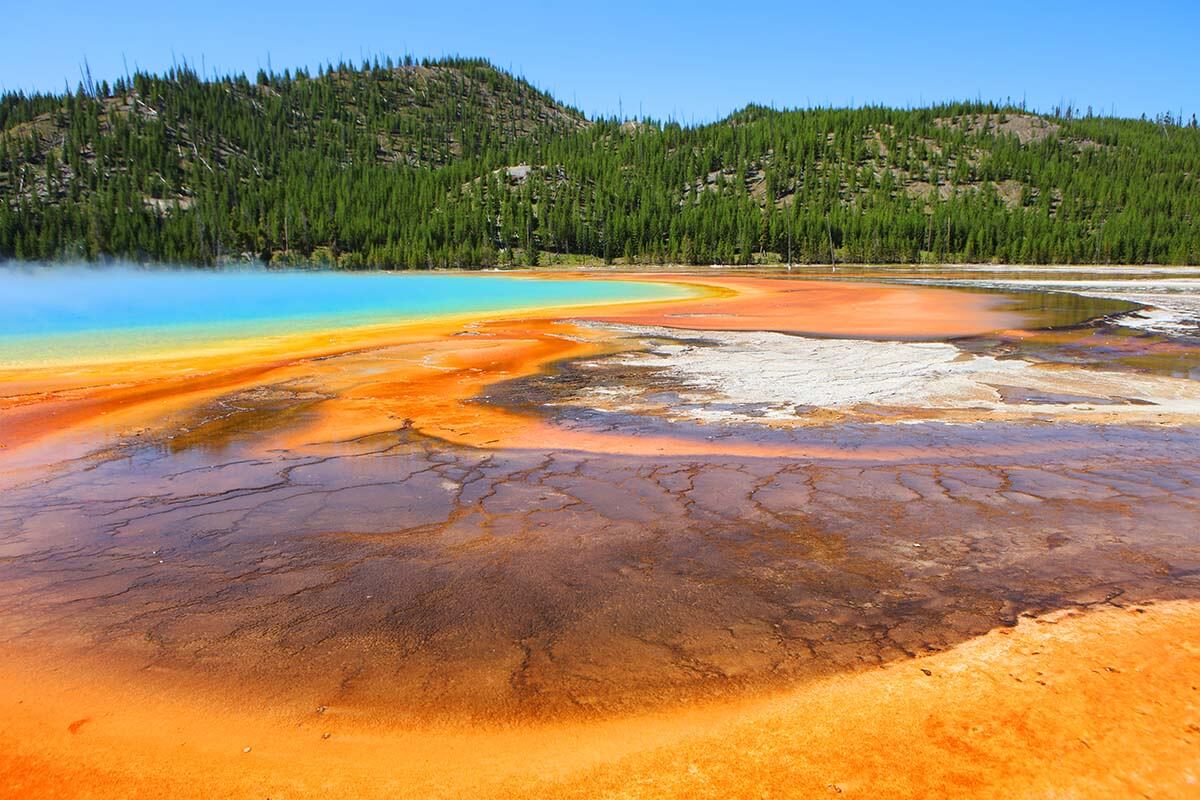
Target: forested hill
x=456 y=163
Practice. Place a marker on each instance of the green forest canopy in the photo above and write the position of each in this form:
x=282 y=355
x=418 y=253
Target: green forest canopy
x=454 y=163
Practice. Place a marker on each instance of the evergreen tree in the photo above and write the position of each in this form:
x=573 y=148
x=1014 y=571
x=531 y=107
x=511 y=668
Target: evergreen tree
x=454 y=163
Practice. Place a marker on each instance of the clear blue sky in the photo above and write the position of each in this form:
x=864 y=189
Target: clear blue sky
x=690 y=60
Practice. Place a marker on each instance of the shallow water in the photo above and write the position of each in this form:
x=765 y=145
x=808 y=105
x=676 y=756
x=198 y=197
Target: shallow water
x=57 y=313
x=407 y=579
x=400 y=563
x=402 y=575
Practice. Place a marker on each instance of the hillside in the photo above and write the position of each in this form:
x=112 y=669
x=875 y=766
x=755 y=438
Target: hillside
x=456 y=163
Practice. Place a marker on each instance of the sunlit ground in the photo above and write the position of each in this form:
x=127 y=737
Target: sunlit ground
x=759 y=538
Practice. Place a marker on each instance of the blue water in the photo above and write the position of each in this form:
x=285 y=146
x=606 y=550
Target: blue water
x=57 y=313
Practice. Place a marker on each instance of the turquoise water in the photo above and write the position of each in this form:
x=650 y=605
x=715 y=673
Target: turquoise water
x=56 y=313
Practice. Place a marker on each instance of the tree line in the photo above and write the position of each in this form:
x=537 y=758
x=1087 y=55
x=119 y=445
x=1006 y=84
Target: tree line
x=454 y=163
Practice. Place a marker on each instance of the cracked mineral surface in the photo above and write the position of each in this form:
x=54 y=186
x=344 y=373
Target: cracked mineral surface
x=620 y=528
